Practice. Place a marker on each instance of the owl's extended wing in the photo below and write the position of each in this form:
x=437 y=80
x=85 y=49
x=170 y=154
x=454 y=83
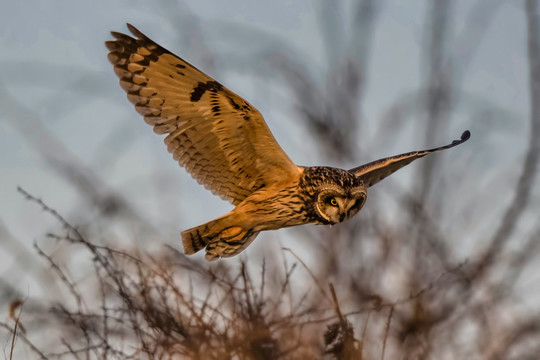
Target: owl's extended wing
x=373 y=172
x=221 y=140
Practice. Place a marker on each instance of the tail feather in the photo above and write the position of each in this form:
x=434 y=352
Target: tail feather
x=193 y=240
x=219 y=238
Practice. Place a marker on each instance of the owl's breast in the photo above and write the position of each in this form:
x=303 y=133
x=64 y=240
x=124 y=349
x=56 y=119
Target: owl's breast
x=275 y=207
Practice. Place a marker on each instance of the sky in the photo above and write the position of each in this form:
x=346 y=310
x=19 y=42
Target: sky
x=57 y=89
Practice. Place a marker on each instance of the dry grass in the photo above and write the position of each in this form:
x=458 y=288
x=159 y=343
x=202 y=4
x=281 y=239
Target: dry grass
x=167 y=306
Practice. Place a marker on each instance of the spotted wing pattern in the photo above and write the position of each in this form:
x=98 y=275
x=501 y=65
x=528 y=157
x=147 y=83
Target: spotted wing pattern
x=216 y=135
x=373 y=172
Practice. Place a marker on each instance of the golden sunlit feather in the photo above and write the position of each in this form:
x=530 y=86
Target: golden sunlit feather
x=225 y=144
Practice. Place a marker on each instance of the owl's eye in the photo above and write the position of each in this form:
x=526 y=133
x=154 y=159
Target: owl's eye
x=332 y=201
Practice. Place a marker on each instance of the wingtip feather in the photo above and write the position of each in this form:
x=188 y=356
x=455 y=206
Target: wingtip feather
x=135 y=31
x=464 y=137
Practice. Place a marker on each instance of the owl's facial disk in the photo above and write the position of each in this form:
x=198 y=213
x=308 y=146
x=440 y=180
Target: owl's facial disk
x=335 y=204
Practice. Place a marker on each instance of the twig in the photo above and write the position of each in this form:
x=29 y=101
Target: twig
x=429 y=286
x=50 y=210
x=17 y=304
x=309 y=271
x=62 y=276
x=25 y=340
x=386 y=331
x=336 y=304
x=364 y=332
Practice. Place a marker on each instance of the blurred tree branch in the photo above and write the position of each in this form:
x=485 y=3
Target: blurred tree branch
x=65 y=163
x=529 y=171
x=400 y=274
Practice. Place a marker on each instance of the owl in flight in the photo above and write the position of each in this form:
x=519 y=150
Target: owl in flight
x=225 y=144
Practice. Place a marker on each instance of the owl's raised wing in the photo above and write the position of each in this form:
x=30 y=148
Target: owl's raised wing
x=221 y=140
x=373 y=172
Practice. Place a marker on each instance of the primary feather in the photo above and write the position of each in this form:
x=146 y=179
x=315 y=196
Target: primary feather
x=219 y=138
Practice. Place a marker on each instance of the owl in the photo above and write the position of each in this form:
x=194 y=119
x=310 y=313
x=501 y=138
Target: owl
x=225 y=144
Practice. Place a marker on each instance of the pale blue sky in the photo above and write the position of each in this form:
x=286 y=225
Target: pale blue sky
x=53 y=69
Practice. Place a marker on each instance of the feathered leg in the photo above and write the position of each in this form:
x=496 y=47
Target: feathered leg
x=220 y=237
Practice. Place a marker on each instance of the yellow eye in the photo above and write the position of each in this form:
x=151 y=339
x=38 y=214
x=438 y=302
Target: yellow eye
x=333 y=201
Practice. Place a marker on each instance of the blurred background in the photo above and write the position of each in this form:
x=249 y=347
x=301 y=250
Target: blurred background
x=442 y=262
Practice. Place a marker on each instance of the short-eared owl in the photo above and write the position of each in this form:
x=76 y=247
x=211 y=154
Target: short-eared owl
x=224 y=142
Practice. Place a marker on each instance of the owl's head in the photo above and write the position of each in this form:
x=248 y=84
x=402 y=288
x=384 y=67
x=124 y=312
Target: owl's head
x=335 y=204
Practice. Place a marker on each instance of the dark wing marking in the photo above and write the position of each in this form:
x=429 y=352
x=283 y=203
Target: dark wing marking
x=221 y=140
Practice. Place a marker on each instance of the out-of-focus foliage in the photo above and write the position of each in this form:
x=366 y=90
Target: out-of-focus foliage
x=394 y=282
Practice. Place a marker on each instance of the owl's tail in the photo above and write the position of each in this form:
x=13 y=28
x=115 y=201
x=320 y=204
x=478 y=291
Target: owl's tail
x=219 y=238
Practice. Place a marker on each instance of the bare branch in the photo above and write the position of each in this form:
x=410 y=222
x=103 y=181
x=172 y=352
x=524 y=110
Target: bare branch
x=530 y=164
